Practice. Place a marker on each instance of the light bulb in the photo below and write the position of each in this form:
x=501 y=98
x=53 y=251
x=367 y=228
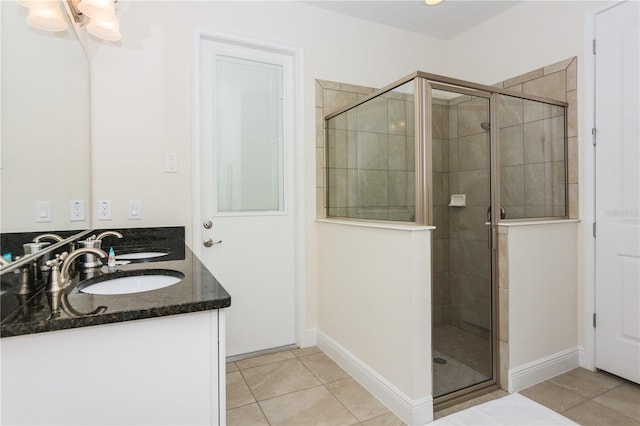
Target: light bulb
x=100 y=9
x=107 y=30
x=47 y=16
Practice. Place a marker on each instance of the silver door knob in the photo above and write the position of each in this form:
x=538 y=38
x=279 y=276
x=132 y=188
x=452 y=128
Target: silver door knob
x=207 y=224
x=209 y=242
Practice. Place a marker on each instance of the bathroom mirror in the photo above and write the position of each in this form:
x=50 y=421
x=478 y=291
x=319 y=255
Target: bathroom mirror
x=45 y=128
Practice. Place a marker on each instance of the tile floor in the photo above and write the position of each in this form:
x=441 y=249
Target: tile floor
x=305 y=387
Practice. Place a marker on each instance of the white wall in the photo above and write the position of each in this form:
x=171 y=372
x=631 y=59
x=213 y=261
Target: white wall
x=543 y=302
x=374 y=300
x=142 y=100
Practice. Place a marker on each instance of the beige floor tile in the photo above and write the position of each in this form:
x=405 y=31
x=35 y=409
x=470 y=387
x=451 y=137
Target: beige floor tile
x=553 y=396
x=306 y=351
x=593 y=414
x=388 y=419
x=625 y=399
x=324 y=368
x=272 y=380
x=238 y=392
x=264 y=359
x=231 y=367
x=587 y=383
x=357 y=399
x=246 y=415
x=315 y=406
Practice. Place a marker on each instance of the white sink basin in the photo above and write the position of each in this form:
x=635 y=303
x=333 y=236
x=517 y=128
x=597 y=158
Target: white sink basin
x=131 y=282
x=141 y=255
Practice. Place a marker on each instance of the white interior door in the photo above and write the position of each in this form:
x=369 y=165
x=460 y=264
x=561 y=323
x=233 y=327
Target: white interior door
x=618 y=191
x=246 y=164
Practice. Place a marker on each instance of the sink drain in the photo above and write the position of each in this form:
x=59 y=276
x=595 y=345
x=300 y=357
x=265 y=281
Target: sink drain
x=440 y=360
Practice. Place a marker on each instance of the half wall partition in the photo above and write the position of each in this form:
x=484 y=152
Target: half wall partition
x=431 y=150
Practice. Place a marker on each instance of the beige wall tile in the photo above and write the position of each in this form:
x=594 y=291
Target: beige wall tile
x=573 y=160
x=558 y=66
x=572 y=75
x=319 y=167
x=503 y=314
x=523 y=77
x=373 y=188
x=504 y=365
x=397 y=152
x=320 y=210
x=510 y=110
x=397 y=117
x=503 y=260
x=511 y=146
x=553 y=86
x=373 y=116
x=512 y=187
x=326 y=84
x=333 y=100
x=517 y=88
x=476 y=152
x=572 y=116
x=471 y=115
x=318 y=94
x=373 y=151
x=357 y=89
x=319 y=128
x=573 y=201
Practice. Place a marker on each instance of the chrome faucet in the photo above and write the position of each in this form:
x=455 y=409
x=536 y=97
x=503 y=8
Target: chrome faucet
x=47 y=236
x=59 y=279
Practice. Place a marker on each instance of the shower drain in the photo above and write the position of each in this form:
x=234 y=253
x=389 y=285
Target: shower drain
x=440 y=360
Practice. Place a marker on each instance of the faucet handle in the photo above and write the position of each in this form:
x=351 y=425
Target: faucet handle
x=54 y=263
x=56 y=282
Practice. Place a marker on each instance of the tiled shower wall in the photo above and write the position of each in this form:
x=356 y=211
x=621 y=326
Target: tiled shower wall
x=371 y=160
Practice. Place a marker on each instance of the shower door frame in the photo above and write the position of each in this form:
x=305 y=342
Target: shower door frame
x=492 y=383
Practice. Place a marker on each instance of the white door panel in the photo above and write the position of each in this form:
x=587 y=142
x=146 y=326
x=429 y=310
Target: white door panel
x=618 y=191
x=246 y=190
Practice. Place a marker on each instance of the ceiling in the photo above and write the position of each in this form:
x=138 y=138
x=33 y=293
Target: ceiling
x=444 y=21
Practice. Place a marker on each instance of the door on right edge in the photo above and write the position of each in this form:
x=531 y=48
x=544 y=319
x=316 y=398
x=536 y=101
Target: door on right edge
x=617 y=244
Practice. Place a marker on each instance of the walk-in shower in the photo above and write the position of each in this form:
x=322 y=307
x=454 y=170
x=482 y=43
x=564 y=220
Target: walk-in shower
x=430 y=150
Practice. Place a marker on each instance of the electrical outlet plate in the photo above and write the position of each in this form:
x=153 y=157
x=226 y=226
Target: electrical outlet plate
x=77 y=213
x=104 y=210
x=43 y=211
x=171 y=162
x=134 y=210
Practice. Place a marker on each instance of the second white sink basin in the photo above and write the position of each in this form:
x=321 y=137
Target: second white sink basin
x=131 y=282
x=141 y=255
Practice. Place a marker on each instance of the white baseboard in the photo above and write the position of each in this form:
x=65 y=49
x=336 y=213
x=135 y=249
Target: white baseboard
x=309 y=338
x=543 y=369
x=412 y=412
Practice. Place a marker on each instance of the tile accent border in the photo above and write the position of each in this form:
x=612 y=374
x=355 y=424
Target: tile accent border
x=412 y=412
x=543 y=369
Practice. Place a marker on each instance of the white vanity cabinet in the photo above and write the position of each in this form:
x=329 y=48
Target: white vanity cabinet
x=166 y=370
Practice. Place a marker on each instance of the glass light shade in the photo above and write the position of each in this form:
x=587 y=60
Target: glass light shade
x=107 y=30
x=432 y=2
x=98 y=9
x=46 y=16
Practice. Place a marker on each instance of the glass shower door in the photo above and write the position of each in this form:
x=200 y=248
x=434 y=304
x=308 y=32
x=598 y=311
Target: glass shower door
x=462 y=257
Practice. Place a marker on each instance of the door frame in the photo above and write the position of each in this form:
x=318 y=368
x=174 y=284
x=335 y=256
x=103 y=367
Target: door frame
x=298 y=157
x=588 y=212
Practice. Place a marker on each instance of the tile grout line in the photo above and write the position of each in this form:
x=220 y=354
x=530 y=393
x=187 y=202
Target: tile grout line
x=254 y=396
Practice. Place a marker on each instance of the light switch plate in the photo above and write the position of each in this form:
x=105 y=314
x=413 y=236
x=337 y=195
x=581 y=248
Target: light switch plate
x=134 y=210
x=43 y=211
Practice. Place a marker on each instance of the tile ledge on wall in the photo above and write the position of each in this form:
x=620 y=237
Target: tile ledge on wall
x=538 y=222
x=393 y=226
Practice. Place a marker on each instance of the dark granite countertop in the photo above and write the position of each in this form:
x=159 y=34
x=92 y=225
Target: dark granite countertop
x=69 y=308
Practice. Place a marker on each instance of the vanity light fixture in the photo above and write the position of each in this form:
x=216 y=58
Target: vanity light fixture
x=432 y=2
x=99 y=15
